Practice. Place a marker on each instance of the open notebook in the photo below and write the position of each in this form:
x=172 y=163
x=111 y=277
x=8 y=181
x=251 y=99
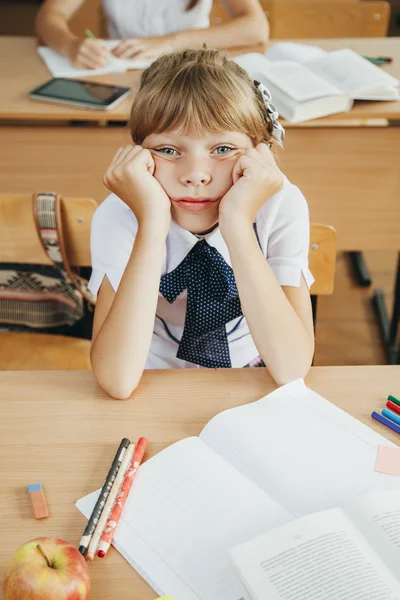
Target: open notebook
x=252 y=468
x=307 y=82
x=59 y=66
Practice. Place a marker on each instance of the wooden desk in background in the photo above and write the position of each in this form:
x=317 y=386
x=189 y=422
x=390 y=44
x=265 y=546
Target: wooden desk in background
x=60 y=429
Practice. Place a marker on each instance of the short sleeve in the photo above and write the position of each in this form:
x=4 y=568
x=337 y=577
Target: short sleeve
x=112 y=235
x=284 y=231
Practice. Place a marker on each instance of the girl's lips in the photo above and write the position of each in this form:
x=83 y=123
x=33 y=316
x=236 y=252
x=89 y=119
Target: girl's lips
x=195 y=205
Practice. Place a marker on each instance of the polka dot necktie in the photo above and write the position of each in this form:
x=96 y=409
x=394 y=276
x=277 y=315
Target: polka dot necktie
x=212 y=301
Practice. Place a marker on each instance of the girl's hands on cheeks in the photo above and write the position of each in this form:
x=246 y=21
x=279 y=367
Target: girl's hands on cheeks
x=131 y=177
x=256 y=178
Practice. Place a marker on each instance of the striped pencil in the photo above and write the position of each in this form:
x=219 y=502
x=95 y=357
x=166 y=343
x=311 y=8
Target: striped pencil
x=116 y=513
x=105 y=490
x=94 y=542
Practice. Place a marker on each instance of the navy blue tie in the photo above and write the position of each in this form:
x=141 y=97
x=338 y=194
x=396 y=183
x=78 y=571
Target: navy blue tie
x=212 y=301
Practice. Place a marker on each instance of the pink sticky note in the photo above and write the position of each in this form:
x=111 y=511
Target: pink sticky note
x=388 y=460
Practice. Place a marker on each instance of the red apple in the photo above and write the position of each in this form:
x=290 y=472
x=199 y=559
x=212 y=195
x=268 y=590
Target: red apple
x=46 y=569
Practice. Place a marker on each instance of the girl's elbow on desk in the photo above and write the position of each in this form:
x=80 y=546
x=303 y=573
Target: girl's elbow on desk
x=115 y=384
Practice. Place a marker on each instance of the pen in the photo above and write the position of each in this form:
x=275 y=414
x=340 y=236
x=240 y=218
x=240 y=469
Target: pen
x=379 y=60
x=394 y=399
x=90 y=35
x=391 y=415
x=394 y=407
x=120 y=502
x=94 y=542
x=386 y=421
x=105 y=490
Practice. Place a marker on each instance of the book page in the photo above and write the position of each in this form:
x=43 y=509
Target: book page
x=186 y=509
x=352 y=73
x=319 y=557
x=300 y=53
x=377 y=516
x=291 y=78
x=305 y=452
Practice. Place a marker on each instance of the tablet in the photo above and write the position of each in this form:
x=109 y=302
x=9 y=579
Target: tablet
x=99 y=96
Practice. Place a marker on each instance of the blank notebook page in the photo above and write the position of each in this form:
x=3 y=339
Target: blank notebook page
x=304 y=451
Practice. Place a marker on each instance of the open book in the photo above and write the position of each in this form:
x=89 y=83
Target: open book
x=253 y=468
x=351 y=553
x=59 y=66
x=307 y=83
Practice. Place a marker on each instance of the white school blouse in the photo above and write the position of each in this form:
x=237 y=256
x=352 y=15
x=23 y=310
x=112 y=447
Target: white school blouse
x=283 y=232
x=147 y=18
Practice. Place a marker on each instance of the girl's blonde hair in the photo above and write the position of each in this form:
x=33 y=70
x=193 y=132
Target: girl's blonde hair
x=198 y=90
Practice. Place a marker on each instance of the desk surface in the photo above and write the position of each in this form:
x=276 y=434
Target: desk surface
x=60 y=429
x=22 y=70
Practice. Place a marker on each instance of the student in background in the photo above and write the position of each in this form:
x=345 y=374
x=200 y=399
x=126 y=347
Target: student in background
x=150 y=28
x=200 y=254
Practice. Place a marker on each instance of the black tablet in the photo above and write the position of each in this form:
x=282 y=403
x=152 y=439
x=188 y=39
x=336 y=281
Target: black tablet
x=80 y=93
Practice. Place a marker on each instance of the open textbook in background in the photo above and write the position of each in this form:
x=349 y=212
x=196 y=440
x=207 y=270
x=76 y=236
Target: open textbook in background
x=344 y=553
x=252 y=468
x=59 y=66
x=308 y=82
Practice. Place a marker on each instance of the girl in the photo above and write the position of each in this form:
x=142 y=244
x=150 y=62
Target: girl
x=201 y=251
x=150 y=28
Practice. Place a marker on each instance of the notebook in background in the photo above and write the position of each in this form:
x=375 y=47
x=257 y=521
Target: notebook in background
x=253 y=468
x=59 y=66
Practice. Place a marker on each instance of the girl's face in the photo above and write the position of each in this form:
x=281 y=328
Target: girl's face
x=196 y=173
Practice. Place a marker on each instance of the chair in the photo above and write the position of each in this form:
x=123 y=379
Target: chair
x=300 y=19
x=322 y=263
x=19 y=244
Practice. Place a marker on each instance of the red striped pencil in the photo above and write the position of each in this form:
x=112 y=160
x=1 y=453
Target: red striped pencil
x=113 y=520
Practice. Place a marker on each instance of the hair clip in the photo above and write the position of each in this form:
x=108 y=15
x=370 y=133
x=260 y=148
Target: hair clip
x=278 y=131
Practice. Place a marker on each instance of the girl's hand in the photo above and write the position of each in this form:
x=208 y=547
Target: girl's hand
x=88 y=54
x=130 y=177
x=256 y=178
x=144 y=48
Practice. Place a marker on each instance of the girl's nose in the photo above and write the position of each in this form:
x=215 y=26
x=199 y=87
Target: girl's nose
x=196 y=178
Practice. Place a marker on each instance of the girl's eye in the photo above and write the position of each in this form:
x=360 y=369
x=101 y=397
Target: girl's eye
x=167 y=150
x=223 y=149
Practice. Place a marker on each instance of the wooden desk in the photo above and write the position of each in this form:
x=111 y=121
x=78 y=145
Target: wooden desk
x=348 y=173
x=60 y=429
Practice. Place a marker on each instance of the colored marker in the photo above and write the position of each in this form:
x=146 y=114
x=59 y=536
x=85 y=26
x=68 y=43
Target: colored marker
x=394 y=399
x=379 y=60
x=394 y=407
x=391 y=415
x=386 y=421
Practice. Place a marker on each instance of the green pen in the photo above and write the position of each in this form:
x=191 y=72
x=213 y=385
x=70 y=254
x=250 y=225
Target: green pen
x=90 y=35
x=393 y=399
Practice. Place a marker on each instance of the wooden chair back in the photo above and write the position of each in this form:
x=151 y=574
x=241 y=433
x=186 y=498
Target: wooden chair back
x=301 y=19
x=19 y=242
x=322 y=258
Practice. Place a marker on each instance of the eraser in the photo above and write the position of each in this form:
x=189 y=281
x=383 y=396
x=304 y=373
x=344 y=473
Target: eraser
x=38 y=501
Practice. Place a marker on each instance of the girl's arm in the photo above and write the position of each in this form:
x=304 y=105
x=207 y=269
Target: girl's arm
x=124 y=321
x=51 y=26
x=279 y=318
x=247 y=26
